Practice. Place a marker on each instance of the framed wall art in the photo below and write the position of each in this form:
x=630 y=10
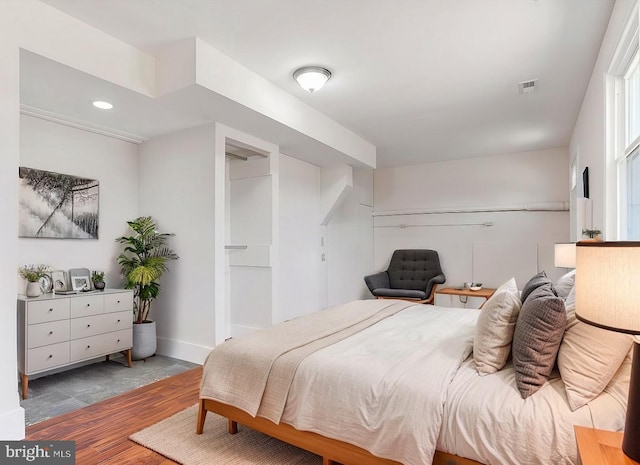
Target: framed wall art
x=585 y=182
x=57 y=206
x=60 y=280
x=80 y=283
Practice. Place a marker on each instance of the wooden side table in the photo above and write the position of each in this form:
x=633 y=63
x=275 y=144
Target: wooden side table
x=599 y=447
x=485 y=293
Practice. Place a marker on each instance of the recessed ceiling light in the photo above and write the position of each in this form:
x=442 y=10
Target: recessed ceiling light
x=102 y=105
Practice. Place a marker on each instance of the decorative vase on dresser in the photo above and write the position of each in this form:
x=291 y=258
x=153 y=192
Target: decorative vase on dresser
x=33 y=289
x=56 y=331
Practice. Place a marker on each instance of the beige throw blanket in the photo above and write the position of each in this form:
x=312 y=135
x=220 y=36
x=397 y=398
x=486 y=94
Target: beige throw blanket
x=254 y=373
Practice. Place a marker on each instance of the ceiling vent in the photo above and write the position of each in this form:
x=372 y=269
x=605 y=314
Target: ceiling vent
x=528 y=87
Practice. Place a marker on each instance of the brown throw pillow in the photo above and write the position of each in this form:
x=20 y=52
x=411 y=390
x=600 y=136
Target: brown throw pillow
x=537 y=338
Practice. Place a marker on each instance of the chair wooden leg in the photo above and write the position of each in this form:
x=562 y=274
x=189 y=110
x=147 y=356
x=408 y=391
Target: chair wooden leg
x=233 y=427
x=202 y=416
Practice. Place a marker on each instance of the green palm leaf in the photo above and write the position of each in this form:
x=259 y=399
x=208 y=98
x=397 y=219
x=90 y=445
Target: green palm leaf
x=143 y=262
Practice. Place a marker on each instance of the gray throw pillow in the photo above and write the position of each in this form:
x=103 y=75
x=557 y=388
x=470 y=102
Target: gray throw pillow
x=537 y=338
x=536 y=281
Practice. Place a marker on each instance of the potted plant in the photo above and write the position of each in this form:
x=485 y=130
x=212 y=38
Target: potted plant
x=592 y=234
x=98 y=280
x=142 y=263
x=33 y=273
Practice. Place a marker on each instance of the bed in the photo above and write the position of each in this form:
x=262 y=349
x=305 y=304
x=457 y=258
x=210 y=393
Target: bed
x=385 y=382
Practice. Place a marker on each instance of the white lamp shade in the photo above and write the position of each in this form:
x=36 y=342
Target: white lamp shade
x=565 y=255
x=312 y=78
x=607 y=284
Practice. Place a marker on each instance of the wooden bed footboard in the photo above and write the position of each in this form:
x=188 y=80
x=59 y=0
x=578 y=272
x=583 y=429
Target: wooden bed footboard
x=332 y=451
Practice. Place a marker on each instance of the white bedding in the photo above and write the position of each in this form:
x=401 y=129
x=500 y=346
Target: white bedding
x=487 y=420
x=407 y=386
x=387 y=398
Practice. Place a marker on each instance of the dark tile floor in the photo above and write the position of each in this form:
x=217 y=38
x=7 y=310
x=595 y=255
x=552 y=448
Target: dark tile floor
x=64 y=392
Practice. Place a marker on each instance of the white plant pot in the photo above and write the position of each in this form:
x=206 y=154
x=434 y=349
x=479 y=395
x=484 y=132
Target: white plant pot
x=144 y=340
x=33 y=289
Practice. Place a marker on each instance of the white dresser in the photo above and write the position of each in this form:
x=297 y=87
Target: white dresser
x=59 y=330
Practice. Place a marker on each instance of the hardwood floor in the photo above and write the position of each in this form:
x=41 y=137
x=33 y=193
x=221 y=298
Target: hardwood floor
x=101 y=431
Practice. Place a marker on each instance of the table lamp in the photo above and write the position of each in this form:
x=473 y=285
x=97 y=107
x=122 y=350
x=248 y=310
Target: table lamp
x=565 y=255
x=607 y=281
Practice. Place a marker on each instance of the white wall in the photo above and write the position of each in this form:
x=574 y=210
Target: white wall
x=349 y=242
x=523 y=180
x=498 y=180
x=177 y=190
x=589 y=141
x=114 y=163
x=299 y=237
x=11 y=414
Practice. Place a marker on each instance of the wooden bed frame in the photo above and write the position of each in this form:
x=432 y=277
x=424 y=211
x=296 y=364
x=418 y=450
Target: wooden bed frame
x=332 y=451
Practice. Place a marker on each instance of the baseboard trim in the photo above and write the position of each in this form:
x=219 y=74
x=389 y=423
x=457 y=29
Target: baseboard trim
x=193 y=353
x=12 y=425
x=240 y=330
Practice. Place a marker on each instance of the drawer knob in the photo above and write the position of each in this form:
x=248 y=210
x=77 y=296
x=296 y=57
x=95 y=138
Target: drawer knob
x=50 y=309
x=88 y=305
x=88 y=347
x=118 y=340
x=118 y=320
x=50 y=356
x=50 y=333
x=118 y=301
x=88 y=326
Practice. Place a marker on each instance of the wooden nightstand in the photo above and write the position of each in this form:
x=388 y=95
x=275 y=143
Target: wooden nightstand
x=485 y=293
x=599 y=447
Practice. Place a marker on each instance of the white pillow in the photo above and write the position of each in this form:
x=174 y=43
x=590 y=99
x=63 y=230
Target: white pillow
x=588 y=357
x=495 y=327
x=564 y=285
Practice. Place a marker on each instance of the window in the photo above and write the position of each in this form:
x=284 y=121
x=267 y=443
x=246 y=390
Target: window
x=633 y=196
x=632 y=101
x=624 y=131
x=627 y=156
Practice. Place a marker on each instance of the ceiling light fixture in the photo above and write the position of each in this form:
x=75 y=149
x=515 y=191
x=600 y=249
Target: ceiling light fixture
x=102 y=105
x=312 y=78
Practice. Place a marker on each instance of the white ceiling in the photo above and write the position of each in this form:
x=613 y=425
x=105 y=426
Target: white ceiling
x=422 y=80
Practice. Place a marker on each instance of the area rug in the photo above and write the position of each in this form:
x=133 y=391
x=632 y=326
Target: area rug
x=176 y=438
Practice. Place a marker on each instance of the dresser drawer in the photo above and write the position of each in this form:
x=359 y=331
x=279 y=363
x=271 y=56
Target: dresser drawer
x=43 y=358
x=118 y=302
x=86 y=305
x=117 y=321
x=47 y=333
x=118 y=340
x=47 y=310
x=87 y=326
x=89 y=347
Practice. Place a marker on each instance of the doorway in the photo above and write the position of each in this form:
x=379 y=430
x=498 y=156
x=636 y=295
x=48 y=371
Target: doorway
x=248 y=240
